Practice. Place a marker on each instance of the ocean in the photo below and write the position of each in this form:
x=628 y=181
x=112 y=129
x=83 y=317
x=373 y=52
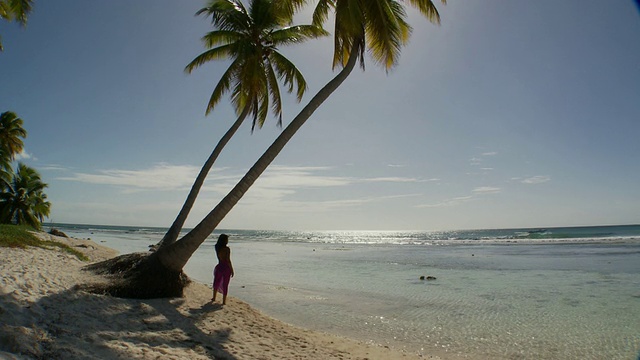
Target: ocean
x=555 y=293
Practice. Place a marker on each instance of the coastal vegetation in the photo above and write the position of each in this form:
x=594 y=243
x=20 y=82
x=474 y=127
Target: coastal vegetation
x=17 y=236
x=375 y=27
x=22 y=197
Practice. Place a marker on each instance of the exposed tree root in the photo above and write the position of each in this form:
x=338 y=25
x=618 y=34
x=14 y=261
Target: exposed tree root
x=138 y=276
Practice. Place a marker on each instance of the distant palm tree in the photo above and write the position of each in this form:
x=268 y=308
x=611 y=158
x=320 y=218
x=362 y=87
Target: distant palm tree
x=11 y=134
x=250 y=38
x=15 y=10
x=376 y=25
x=22 y=199
x=5 y=169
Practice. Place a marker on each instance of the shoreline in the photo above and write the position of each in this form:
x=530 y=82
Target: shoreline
x=43 y=315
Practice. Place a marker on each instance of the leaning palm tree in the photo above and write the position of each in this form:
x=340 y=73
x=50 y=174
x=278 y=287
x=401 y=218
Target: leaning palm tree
x=378 y=26
x=22 y=199
x=15 y=10
x=11 y=134
x=250 y=38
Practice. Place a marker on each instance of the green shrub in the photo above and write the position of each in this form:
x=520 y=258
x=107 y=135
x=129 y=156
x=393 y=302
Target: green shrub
x=22 y=237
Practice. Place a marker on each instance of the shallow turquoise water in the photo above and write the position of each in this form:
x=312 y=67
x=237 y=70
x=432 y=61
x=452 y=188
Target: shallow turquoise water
x=501 y=301
x=491 y=300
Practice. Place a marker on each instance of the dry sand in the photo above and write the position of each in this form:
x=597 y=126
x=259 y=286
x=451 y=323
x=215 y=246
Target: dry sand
x=43 y=316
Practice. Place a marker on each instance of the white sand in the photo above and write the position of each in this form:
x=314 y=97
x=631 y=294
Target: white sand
x=43 y=316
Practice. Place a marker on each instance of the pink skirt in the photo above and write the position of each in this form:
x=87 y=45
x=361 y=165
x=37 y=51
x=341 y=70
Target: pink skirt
x=221 y=277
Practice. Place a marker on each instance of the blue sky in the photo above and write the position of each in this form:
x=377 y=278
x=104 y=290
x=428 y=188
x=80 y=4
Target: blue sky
x=509 y=114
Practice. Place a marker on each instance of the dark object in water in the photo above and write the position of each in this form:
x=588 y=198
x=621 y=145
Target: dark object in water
x=427 y=277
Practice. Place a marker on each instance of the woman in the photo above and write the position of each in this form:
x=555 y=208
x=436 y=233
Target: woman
x=223 y=272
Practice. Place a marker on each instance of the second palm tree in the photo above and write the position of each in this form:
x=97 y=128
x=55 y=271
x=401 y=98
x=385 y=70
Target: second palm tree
x=250 y=39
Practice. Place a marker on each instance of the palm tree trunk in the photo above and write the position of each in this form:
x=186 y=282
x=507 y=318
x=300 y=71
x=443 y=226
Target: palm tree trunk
x=176 y=255
x=173 y=232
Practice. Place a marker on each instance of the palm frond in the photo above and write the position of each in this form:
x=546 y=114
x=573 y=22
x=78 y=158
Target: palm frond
x=227 y=14
x=264 y=17
x=286 y=8
x=23 y=200
x=382 y=24
x=219 y=53
x=274 y=90
x=297 y=34
x=4 y=11
x=250 y=38
x=222 y=87
x=349 y=27
x=321 y=11
x=289 y=74
x=20 y=10
x=11 y=133
x=217 y=37
x=386 y=30
x=428 y=9
x=263 y=107
x=240 y=99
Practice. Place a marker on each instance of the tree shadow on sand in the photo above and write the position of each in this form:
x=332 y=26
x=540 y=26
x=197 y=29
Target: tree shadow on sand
x=74 y=324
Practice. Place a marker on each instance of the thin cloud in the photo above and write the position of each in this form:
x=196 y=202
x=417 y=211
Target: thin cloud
x=158 y=177
x=296 y=206
x=52 y=167
x=363 y=200
x=393 y=179
x=537 y=179
x=486 y=190
x=477 y=160
x=281 y=181
x=479 y=191
x=300 y=177
x=447 y=203
x=278 y=185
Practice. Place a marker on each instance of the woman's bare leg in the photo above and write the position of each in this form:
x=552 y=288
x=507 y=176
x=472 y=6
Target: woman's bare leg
x=224 y=299
x=215 y=292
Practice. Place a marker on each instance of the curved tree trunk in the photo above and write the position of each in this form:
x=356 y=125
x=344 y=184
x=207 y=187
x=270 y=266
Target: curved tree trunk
x=172 y=234
x=176 y=255
x=159 y=274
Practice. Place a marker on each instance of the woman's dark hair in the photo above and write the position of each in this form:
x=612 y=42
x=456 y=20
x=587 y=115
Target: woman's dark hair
x=223 y=239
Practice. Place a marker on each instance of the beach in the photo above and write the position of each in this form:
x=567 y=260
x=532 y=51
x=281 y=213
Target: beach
x=44 y=315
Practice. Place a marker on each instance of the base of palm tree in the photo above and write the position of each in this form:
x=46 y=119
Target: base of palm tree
x=137 y=276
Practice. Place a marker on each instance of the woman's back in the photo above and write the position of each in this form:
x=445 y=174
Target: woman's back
x=223 y=254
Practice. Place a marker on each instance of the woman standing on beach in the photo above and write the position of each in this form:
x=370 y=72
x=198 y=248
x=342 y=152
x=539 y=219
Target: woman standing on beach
x=223 y=272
